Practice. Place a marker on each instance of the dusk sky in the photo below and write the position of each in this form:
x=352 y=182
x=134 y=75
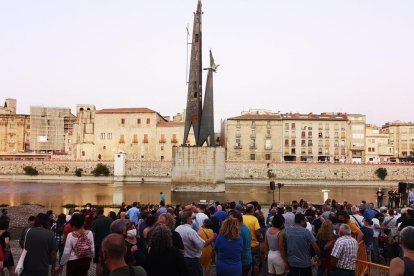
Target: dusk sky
x=290 y=56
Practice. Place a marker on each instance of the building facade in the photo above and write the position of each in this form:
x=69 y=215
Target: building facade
x=315 y=137
x=51 y=129
x=377 y=146
x=255 y=135
x=356 y=138
x=401 y=137
x=14 y=129
x=141 y=133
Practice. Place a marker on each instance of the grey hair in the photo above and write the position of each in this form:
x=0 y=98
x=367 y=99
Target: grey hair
x=407 y=237
x=161 y=237
x=170 y=220
x=118 y=226
x=185 y=215
x=345 y=230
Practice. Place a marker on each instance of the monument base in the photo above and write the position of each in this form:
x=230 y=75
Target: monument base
x=198 y=169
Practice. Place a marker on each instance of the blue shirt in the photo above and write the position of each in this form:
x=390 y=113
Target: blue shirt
x=298 y=241
x=369 y=213
x=162 y=197
x=247 y=250
x=229 y=254
x=221 y=215
x=133 y=214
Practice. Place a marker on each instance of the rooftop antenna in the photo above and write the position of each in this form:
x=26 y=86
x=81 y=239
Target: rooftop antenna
x=186 y=63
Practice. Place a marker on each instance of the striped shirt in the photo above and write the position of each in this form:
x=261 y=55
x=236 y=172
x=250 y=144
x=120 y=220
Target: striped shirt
x=345 y=250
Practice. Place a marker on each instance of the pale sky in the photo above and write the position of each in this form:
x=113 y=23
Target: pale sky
x=291 y=56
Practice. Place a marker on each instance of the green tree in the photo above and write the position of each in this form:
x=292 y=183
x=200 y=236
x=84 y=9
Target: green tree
x=101 y=169
x=29 y=170
x=381 y=173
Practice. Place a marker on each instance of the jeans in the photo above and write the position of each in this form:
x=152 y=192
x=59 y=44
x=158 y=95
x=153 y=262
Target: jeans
x=194 y=266
x=379 y=202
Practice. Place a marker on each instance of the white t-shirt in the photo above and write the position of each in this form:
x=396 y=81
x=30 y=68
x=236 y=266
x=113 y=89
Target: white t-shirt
x=376 y=231
x=200 y=218
x=356 y=217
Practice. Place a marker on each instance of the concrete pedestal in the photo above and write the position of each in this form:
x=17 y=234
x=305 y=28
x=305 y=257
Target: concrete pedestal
x=198 y=169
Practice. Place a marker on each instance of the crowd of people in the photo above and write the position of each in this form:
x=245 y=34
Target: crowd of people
x=295 y=238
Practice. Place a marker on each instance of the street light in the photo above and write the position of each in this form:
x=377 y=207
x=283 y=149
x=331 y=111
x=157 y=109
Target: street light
x=279 y=186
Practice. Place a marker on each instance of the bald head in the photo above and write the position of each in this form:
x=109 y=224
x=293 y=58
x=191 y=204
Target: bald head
x=113 y=247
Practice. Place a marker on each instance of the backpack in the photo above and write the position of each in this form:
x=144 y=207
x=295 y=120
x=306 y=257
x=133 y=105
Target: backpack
x=83 y=247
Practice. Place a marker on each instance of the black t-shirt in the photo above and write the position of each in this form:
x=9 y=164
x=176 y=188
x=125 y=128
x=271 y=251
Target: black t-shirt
x=40 y=243
x=391 y=194
x=166 y=262
x=380 y=194
x=177 y=240
x=407 y=222
x=101 y=228
x=397 y=196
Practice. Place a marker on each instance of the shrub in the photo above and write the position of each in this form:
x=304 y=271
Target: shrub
x=78 y=172
x=29 y=170
x=101 y=169
x=381 y=173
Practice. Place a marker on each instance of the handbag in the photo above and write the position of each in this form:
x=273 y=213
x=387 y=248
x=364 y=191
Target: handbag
x=20 y=263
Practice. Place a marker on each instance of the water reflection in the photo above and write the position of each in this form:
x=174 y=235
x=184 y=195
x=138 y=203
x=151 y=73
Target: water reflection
x=53 y=195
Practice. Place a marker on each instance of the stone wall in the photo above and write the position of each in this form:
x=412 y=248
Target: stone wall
x=235 y=170
x=317 y=171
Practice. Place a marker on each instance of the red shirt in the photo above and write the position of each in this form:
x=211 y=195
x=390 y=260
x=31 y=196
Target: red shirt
x=66 y=230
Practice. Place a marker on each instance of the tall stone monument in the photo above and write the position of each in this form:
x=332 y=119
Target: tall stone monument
x=200 y=167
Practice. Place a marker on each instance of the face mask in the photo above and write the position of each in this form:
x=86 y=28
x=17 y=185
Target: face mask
x=132 y=233
x=88 y=208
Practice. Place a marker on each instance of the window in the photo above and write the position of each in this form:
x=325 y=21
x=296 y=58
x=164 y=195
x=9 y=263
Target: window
x=303 y=143
x=253 y=124
x=252 y=143
x=83 y=153
x=162 y=147
x=303 y=151
x=121 y=139
x=336 y=127
x=357 y=136
x=309 y=134
x=336 y=135
x=103 y=136
x=320 y=135
x=123 y=121
x=109 y=136
x=310 y=143
x=310 y=151
x=174 y=139
x=357 y=127
x=268 y=144
x=138 y=121
x=104 y=147
x=293 y=126
x=303 y=134
x=162 y=157
x=293 y=151
x=326 y=134
x=267 y=156
x=252 y=156
x=320 y=126
x=287 y=142
x=286 y=126
x=148 y=121
x=238 y=124
x=162 y=138
x=326 y=126
x=319 y=151
x=145 y=139
x=293 y=143
x=135 y=139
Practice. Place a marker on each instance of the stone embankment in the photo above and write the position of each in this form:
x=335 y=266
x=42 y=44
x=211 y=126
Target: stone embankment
x=236 y=171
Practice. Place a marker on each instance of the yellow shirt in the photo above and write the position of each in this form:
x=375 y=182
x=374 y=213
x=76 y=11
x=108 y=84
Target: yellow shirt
x=354 y=228
x=253 y=224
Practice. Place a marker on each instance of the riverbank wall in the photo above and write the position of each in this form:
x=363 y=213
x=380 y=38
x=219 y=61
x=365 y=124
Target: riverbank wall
x=236 y=172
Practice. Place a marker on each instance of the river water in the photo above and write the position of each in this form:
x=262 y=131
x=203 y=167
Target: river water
x=53 y=195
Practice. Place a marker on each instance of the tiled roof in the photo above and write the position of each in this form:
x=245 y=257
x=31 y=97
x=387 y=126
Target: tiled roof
x=311 y=116
x=170 y=124
x=257 y=117
x=125 y=110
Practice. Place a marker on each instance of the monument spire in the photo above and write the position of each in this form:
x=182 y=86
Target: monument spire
x=194 y=95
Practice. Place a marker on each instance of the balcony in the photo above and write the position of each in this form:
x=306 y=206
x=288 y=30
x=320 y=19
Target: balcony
x=238 y=134
x=252 y=135
x=237 y=146
x=174 y=141
x=268 y=147
x=163 y=141
x=253 y=146
x=268 y=135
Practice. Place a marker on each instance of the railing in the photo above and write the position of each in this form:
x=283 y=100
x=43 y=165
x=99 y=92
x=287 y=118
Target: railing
x=365 y=267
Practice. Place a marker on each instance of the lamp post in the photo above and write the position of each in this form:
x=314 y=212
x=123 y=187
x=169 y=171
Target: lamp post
x=279 y=186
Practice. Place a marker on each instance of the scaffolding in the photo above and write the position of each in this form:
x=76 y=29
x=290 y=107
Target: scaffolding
x=49 y=128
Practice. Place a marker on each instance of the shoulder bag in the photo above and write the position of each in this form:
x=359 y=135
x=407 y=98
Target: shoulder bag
x=20 y=263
